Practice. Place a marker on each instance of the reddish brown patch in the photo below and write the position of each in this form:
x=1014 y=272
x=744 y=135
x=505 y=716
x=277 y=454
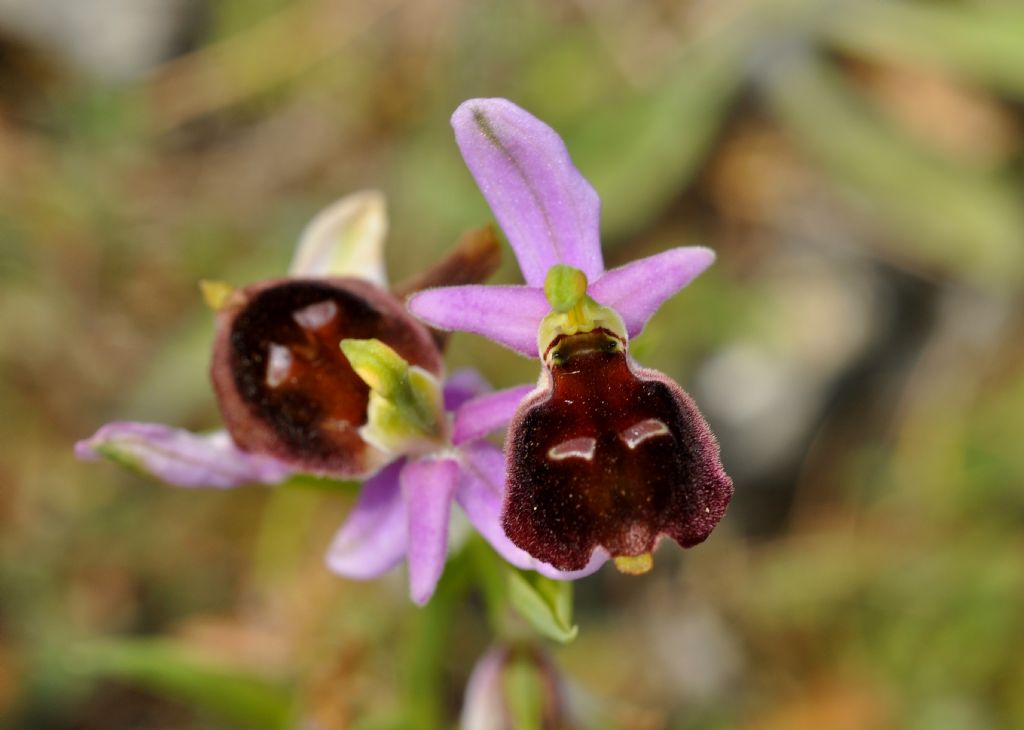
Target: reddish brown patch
x=610 y=455
x=282 y=382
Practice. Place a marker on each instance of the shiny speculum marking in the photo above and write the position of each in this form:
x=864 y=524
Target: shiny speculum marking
x=612 y=456
x=286 y=387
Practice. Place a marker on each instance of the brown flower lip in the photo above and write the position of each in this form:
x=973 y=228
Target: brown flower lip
x=283 y=385
x=609 y=455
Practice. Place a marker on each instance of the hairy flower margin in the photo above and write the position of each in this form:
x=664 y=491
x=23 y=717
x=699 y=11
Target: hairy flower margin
x=590 y=468
x=335 y=282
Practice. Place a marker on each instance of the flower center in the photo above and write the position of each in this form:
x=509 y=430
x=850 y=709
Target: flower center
x=406 y=408
x=573 y=311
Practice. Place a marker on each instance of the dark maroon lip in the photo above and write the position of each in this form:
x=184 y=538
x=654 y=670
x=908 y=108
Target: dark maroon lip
x=282 y=382
x=609 y=456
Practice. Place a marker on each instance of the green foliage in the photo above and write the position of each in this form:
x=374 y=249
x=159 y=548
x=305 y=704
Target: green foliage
x=963 y=219
x=545 y=603
x=232 y=693
x=982 y=43
x=769 y=131
x=525 y=694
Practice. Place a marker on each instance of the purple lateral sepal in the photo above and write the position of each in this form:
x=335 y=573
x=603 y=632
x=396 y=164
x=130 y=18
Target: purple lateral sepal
x=428 y=486
x=638 y=289
x=509 y=315
x=487 y=413
x=374 y=538
x=609 y=456
x=547 y=209
x=463 y=386
x=180 y=457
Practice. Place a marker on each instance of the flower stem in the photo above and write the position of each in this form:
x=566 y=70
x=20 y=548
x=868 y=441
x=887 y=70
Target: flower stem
x=423 y=683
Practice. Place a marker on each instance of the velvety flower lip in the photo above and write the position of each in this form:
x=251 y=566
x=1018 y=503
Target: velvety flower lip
x=550 y=215
x=609 y=456
x=403 y=511
x=284 y=386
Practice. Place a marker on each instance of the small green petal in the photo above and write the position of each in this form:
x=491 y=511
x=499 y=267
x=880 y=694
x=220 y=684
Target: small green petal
x=406 y=409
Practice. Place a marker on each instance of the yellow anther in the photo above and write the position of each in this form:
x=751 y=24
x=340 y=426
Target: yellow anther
x=216 y=293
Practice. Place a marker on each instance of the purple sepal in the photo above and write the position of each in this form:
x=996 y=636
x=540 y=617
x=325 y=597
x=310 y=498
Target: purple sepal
x=428 y=486
x=373 y=539
x=180 y=457
x=462 y=386
x=637 y=289
x=548 y=211
x=484 y=414
x=509 y=315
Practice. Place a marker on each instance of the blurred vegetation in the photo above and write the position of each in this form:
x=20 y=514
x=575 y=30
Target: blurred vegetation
x=857 y=347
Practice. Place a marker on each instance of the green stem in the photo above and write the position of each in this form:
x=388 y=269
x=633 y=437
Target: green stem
x=423 y=691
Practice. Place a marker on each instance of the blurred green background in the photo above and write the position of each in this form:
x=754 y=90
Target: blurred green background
x=857 y=347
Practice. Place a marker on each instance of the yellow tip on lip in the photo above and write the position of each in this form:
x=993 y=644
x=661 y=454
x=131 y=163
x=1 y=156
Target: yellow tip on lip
x=634 y=564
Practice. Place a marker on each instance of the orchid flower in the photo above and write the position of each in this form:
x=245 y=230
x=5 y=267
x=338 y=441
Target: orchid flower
x=290 y=400
x=324 y=372
x=603 y=454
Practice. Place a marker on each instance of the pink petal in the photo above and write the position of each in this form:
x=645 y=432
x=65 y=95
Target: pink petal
x=428 y=486
x=639 y=288
x=374 y=537
x=509 y=315
x=486 y=413
x=480 y=494
x=548 y=211
x=462 y=386
x=180 y=457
